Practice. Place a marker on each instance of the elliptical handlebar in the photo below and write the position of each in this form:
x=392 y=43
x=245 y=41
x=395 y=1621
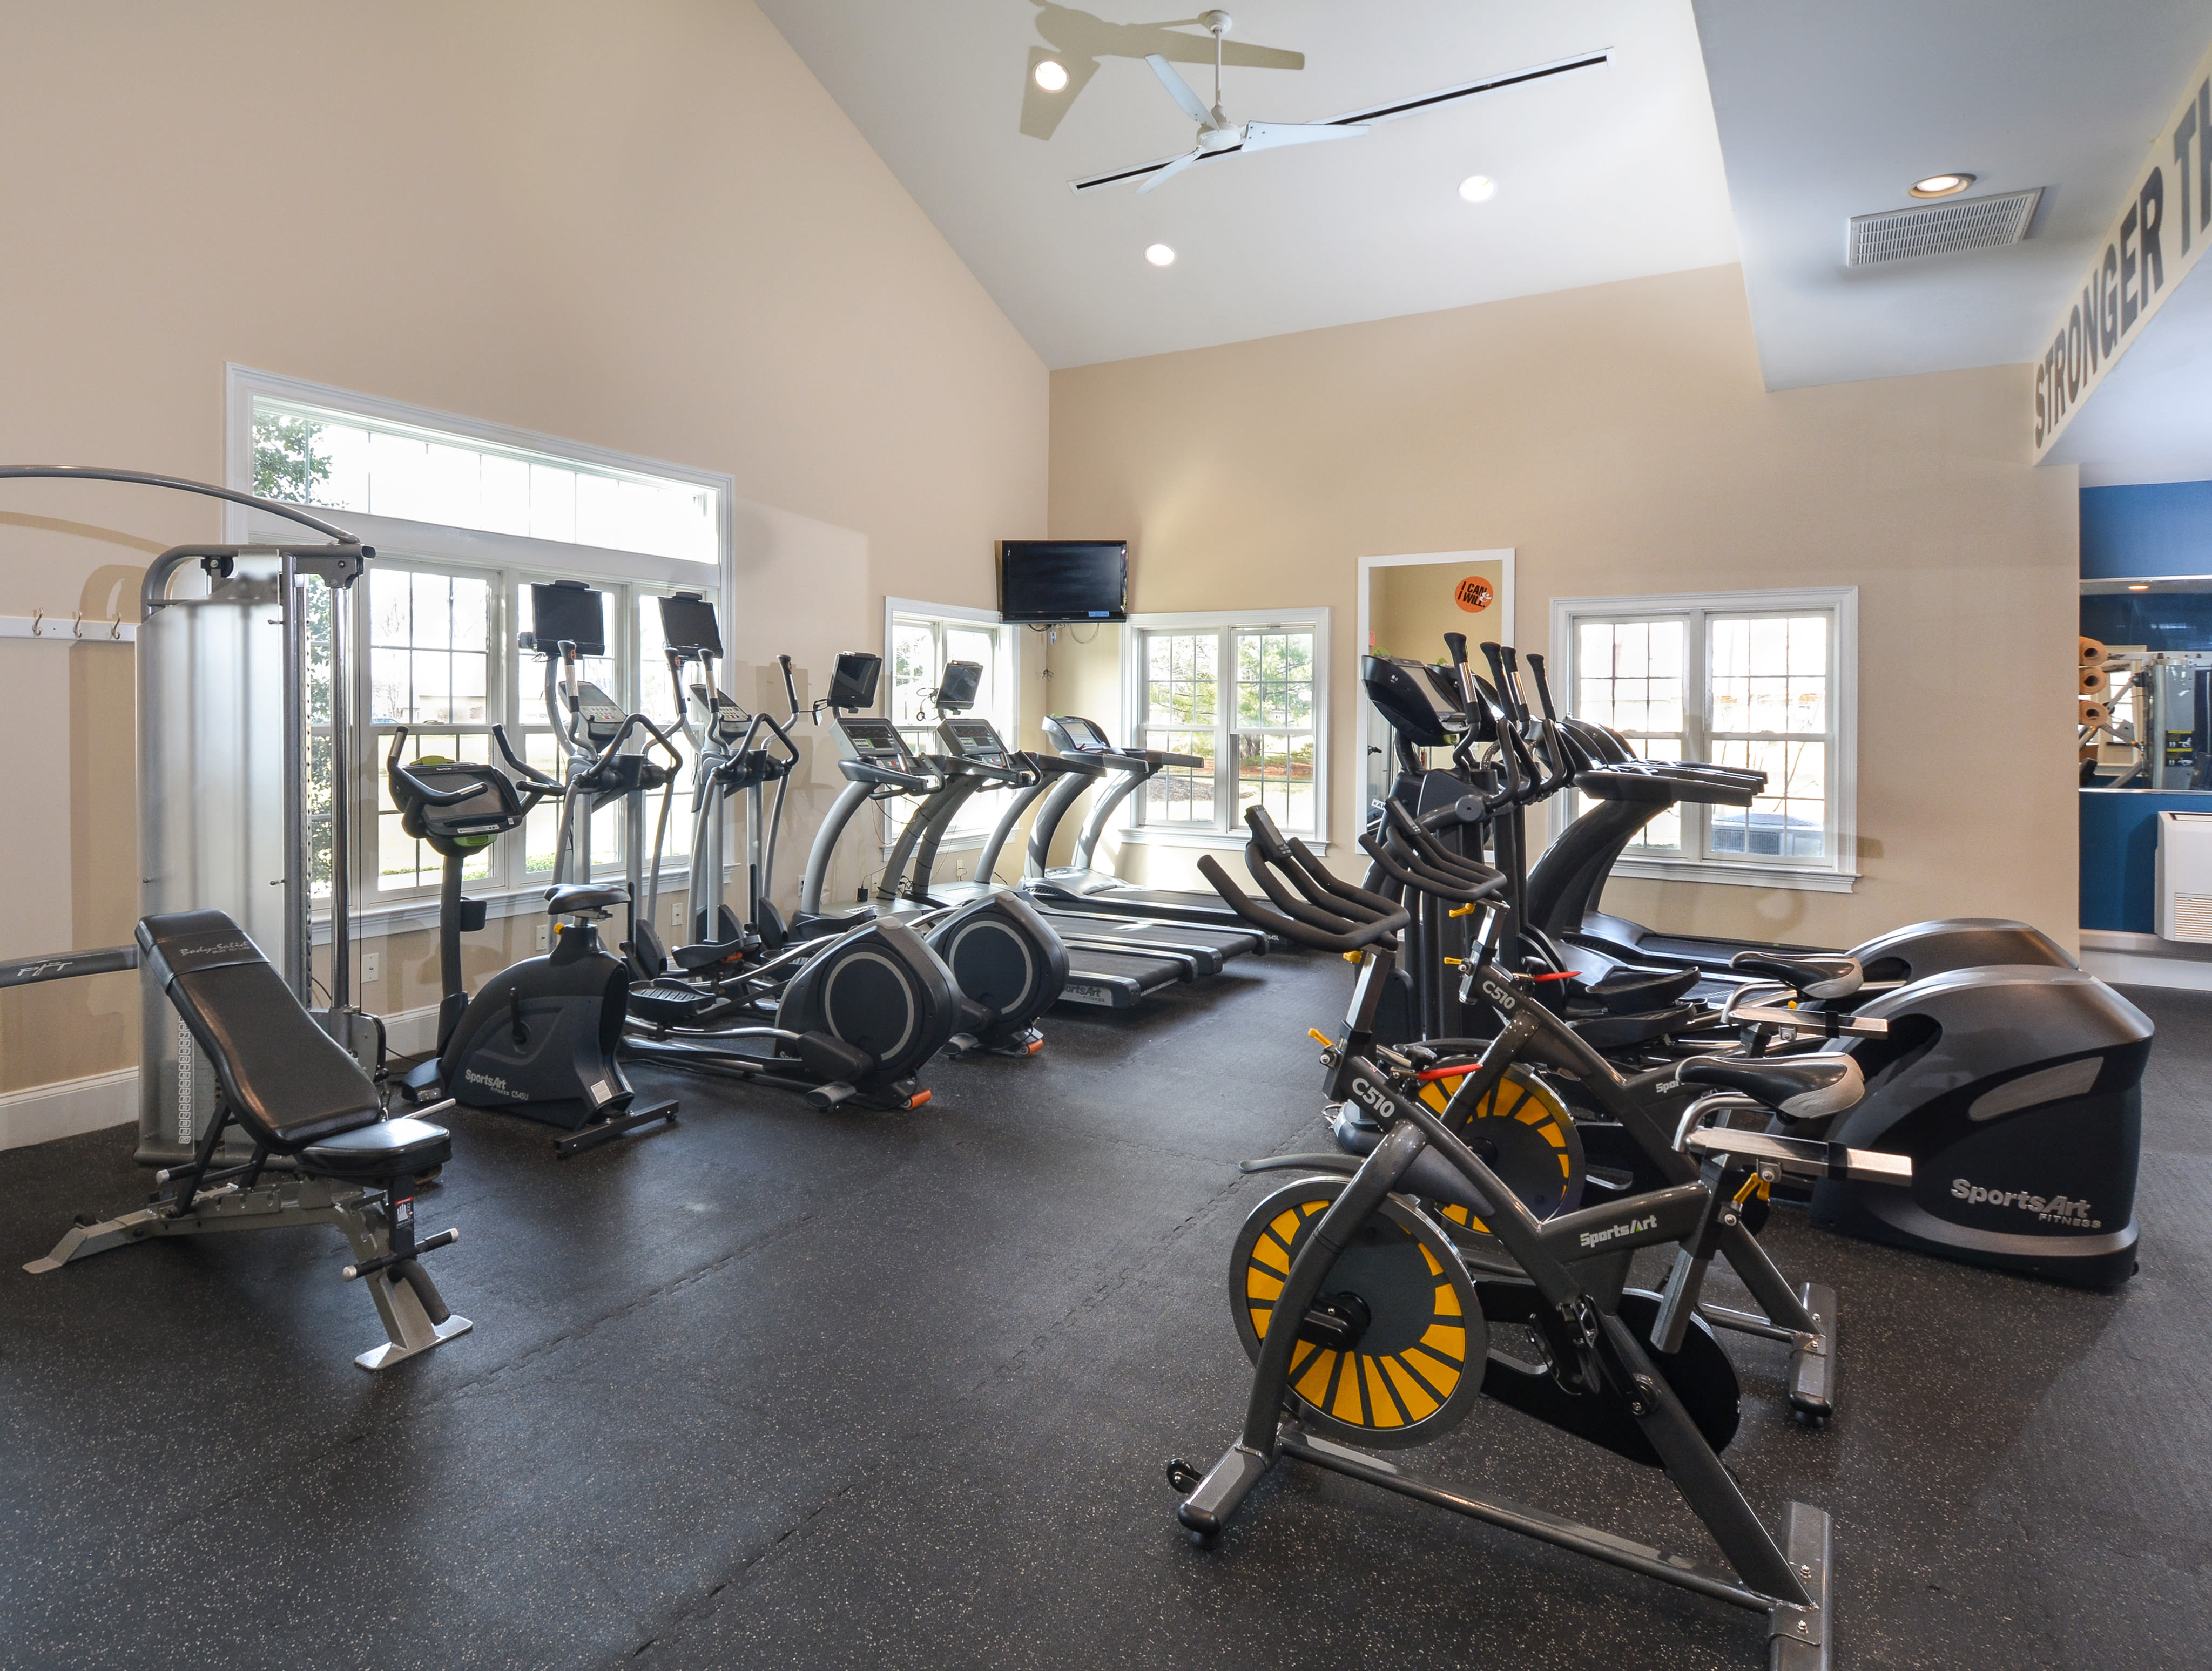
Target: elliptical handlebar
x=541 y=785
x=1401 y=864
x=790 y=689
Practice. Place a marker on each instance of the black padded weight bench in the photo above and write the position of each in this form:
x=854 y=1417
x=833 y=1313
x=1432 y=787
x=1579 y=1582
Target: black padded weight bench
x=323 y=1151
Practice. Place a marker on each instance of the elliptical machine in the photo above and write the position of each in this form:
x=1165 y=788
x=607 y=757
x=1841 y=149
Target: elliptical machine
x=1009 y=963
x=848 y=1017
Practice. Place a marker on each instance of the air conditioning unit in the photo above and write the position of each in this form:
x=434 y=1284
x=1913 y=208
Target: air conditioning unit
x=2184 y=876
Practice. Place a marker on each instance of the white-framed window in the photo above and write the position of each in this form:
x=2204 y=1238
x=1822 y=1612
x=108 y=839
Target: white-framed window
x=919 y=640
x=1764 y=680
x=1247 y=697
x=464 y=517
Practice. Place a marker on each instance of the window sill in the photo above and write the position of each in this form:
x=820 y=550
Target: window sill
x=1735 y=875
x=407 y=916
x=1236 y=841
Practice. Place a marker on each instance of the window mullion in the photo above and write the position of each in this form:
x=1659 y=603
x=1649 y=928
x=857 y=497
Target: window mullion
x=1226 y=695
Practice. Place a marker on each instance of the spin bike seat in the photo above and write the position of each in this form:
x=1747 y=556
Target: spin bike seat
x=1809 y=1087
x=578 y=899
x=1809 y=974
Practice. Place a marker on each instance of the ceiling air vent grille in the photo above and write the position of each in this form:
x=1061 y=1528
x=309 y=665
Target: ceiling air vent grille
x=1940 y=228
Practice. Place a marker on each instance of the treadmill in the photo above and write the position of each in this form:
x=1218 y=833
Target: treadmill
x=1078 y=887
x=972 y=746
x=877 y=762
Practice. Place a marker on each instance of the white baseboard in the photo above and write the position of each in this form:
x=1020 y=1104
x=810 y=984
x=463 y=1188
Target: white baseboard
x=65 y=1107
x=39 y=1113
x=2145 y=960
x=411 y=1032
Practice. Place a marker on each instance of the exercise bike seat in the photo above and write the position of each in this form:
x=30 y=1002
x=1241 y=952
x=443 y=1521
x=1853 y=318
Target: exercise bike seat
x=1811 y=975
x=583 y=899
x=286 y=1080
x=1801 y=1088
x=391 y=1149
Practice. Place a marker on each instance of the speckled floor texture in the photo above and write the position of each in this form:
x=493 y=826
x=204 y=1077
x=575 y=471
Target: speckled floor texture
x=784 y=1388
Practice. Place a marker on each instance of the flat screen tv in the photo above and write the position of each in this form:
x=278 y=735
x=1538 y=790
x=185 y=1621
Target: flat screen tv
x=1063 y=580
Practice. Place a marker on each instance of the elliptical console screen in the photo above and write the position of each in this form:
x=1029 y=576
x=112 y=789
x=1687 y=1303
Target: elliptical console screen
x=687 y=622
x=600 y=709
x=877 y=742
x=974 y=740
x=572 y=614
x=725 y=720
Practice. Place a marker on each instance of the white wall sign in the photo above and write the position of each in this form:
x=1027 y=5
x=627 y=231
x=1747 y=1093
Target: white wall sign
x=2160 y=232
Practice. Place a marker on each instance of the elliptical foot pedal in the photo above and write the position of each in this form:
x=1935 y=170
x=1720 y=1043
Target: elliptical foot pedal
x=603 y=1131
x=1813 y=1367
x=1798 y=1638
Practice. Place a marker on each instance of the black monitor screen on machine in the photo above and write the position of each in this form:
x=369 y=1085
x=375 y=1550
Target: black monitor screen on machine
x=687 y=622
x=574 y=615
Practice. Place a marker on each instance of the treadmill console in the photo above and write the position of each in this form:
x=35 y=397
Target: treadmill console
x=876 y=742
x=972 y=738
x=1073 y=735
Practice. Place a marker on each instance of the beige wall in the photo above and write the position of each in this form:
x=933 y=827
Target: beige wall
x=644 y=225
x=1618 y=439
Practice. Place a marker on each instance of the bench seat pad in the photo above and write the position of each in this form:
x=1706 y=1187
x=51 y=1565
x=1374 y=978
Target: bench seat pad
x=287 y=1080
x=390 y=1150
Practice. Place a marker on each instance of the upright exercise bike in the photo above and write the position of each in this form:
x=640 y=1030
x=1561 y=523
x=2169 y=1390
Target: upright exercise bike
x=538 y=1039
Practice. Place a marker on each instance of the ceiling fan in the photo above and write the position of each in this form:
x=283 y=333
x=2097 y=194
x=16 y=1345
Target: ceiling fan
x=1218 y=136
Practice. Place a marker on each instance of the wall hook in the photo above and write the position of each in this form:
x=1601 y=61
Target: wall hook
x=37 y=616
x=76 y=623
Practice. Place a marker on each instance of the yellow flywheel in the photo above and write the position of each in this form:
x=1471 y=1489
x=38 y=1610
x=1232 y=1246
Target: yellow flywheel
x=1397 y=1354
x=1524 y=1132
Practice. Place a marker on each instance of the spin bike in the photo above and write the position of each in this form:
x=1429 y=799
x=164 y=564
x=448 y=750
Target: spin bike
x=1368 y=1325
x=1550 y=1155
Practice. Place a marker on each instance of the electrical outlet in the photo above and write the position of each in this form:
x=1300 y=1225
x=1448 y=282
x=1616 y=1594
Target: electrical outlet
x=960 y=869
x=372 y=967
x=541 y=936
x=675 y=914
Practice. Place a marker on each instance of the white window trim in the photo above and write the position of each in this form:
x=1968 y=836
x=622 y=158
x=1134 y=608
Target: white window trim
x=1839 y=875
x=1132 y=687
x=471 y=546
x=514 y=558
x=1009 y=645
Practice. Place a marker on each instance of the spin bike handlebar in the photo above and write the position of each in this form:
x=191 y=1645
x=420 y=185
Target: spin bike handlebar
x=1351 y=938
x=1402 y=864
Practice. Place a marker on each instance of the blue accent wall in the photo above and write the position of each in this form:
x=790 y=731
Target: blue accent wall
x=2141 y=532
x=2119 y=855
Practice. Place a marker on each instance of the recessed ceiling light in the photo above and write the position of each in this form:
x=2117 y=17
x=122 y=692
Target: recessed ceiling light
x=1160 y=256
x=1478 y=188
x=1051 y=75
x=2139 y=588
x=1940 y=185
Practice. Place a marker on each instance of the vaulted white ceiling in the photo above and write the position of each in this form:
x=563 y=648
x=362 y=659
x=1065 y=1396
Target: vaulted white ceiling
x=1610 y=173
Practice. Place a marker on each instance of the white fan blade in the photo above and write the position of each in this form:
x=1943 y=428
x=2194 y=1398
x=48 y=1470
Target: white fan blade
x=1170 y=171
x=1261 y=136
x=1181 y=91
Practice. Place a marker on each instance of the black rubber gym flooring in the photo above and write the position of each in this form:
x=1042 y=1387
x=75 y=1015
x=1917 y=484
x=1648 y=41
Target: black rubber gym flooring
x=783 y=1388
